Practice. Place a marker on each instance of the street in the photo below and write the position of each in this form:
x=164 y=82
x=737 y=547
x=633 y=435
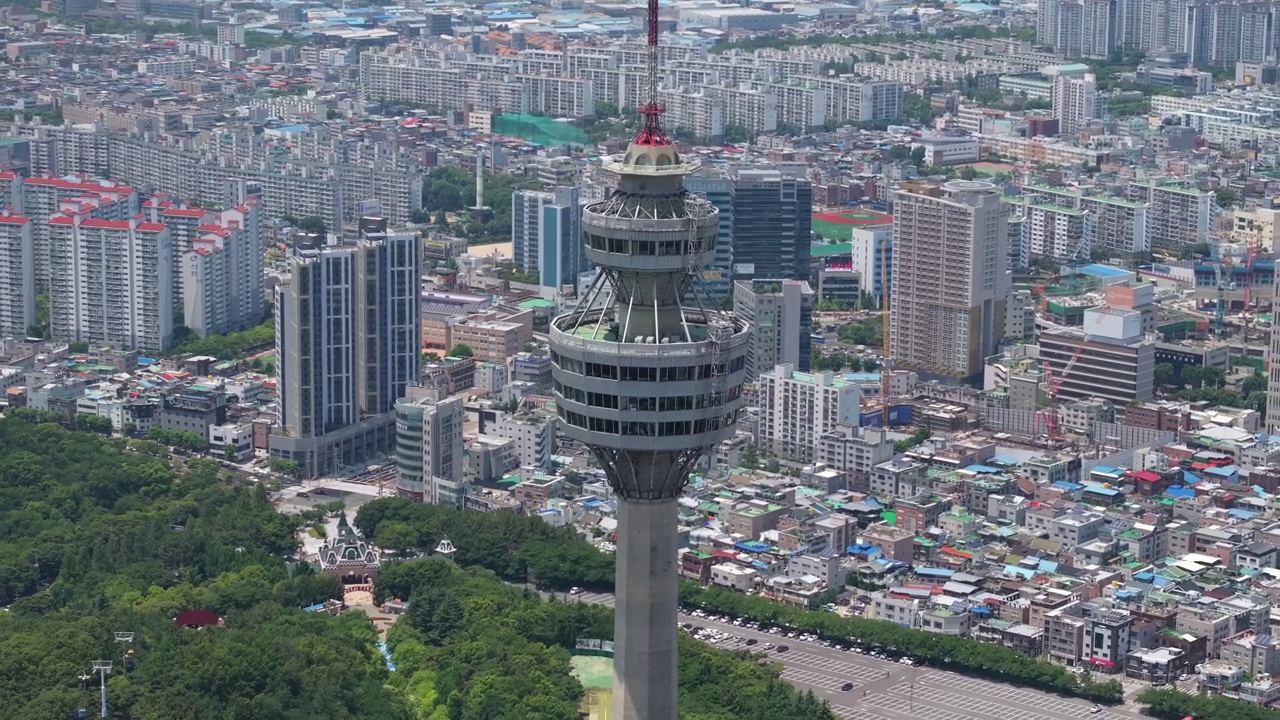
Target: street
x=937 y=694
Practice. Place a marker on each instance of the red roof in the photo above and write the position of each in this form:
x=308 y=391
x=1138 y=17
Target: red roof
x=69 y=185
x=197 y=618
x=1145 y=476
x=13 y=220
x=97 y=223
x=185 y=212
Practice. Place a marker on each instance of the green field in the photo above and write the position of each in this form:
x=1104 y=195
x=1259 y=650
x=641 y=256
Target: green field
x=596 y=675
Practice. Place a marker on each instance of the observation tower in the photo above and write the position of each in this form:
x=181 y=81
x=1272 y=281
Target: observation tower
x=649 y=376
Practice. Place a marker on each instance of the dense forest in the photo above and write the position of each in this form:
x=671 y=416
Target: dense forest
x=475 y=648
x=101 y=536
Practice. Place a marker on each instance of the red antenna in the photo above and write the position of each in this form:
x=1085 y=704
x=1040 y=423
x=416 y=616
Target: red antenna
x=652 y=111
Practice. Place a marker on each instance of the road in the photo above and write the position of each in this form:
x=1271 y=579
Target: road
x=936 y=695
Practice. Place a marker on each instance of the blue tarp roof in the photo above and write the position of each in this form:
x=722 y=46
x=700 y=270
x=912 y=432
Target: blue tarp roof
x=1101 y=270
x=983 y=469
x=1226 y=471
x=1190 y=478
x=1180 y=492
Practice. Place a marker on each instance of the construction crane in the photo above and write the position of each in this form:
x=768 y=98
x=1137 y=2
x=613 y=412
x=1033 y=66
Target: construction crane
x=1050 y=415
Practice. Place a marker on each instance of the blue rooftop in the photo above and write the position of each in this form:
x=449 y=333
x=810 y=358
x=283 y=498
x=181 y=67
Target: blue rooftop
x=1064 y=485
x=1101 y=270
x=1227 y=471
x=983 y=469
x=935 y=572
x=1024 y=573
x=1099 y=490
x=1180 y=492
x=862 y=377
x=1190 y=478
x=1108 y=470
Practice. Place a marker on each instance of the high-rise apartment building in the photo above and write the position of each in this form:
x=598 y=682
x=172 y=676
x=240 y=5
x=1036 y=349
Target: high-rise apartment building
x=872 y=255
x=1273 y=369
x=1116 y=225
x=40 y=198
x=110 y=281
x=429 y=447
x=779 y=313
x=222 y=273
x=348 y=342
x=796 y=409
x=1177 y=215
x=546 y=236
x=17 y=276
x=1075 y=101
x=772 y=213
x=950 y=282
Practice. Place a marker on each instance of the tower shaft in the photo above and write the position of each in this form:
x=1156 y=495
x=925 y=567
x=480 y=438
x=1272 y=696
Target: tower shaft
x=649 y=380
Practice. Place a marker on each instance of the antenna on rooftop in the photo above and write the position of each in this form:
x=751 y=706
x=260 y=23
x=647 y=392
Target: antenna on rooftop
x=652 y=110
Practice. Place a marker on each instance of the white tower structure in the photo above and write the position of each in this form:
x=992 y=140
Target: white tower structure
x=649 y=382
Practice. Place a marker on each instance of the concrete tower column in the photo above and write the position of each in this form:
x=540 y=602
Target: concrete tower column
x=644 y=628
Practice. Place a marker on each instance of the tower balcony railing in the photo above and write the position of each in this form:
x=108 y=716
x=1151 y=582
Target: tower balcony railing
x=596 y=331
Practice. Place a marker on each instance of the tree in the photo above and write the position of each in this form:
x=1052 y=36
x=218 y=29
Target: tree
x=78 y=347
x=1164 y=374
x=868 y=333
x=312 y=224
x=290 y=468
x=93 y=424
x=395 y=535
x=751 y=457
x=918 y=438
x=461 y=351
x=1227 y=198
x=1257 y=382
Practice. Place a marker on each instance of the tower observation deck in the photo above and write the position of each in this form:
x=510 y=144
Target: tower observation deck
x=649 y=380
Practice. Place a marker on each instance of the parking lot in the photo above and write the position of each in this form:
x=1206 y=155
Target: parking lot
x=894 y=691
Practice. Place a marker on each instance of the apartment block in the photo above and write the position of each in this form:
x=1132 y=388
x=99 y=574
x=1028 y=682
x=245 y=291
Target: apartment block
x=779 y=314
x=111 y=281
x=854 y=451
x=798 y=408
x=17 y=276
x=43 y=197
x=1114 y=224
x=222 y=279
x=533 y=435
x=1178 y=215
x=949 y=280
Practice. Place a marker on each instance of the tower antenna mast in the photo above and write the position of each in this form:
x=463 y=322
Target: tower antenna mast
x=652 y=110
